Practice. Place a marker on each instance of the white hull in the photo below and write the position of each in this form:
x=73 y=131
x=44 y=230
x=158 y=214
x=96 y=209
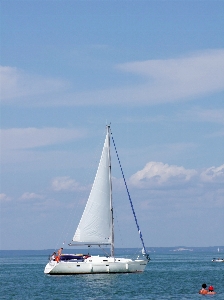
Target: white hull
x=95 y=264
x=218 y=260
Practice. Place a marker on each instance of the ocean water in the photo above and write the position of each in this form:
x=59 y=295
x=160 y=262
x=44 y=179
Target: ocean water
x=171 y=275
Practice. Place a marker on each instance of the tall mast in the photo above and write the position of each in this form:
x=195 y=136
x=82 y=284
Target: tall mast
x=111 y=204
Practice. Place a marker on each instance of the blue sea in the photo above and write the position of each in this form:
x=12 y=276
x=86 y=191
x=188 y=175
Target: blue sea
x=169 y=275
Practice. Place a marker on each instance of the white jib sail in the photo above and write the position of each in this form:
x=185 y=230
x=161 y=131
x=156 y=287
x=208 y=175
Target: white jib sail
x=96 y=221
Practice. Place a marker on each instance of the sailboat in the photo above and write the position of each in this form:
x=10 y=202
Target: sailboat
x=96 y=228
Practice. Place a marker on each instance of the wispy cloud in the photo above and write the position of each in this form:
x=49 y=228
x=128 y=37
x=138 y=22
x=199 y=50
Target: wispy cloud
x=180 y=78
x=16 y=83
x=66 y=184
x=4 y=198
x=26 y=138
x=31 y=196
x=213 y=174
x=163 y=81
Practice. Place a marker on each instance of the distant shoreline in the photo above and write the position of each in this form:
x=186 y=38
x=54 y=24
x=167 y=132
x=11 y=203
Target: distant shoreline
x=178 y=249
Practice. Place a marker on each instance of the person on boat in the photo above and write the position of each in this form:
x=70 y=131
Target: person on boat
x=203 y=290
x=60 y=251
x=53 y=256
x=211 y=290
x=58 y=257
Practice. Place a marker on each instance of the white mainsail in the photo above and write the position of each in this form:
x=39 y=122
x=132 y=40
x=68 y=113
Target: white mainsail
x=95 y=225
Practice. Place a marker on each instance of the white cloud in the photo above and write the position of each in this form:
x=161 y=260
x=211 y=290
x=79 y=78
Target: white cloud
x=65 y=184
x=168 y=80
x=31 y=196
x=163 y=81
x=160 y=174
x=172 y=79
x=213 y=174
x=16 y=83
x=4 y=198
x=161 y=188
x=26 y=138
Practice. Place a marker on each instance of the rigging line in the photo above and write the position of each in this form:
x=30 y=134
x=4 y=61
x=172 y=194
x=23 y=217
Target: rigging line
x=132 y=207
x=107 y=254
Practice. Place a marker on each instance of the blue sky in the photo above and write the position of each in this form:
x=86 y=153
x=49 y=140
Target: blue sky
x=155 y=70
